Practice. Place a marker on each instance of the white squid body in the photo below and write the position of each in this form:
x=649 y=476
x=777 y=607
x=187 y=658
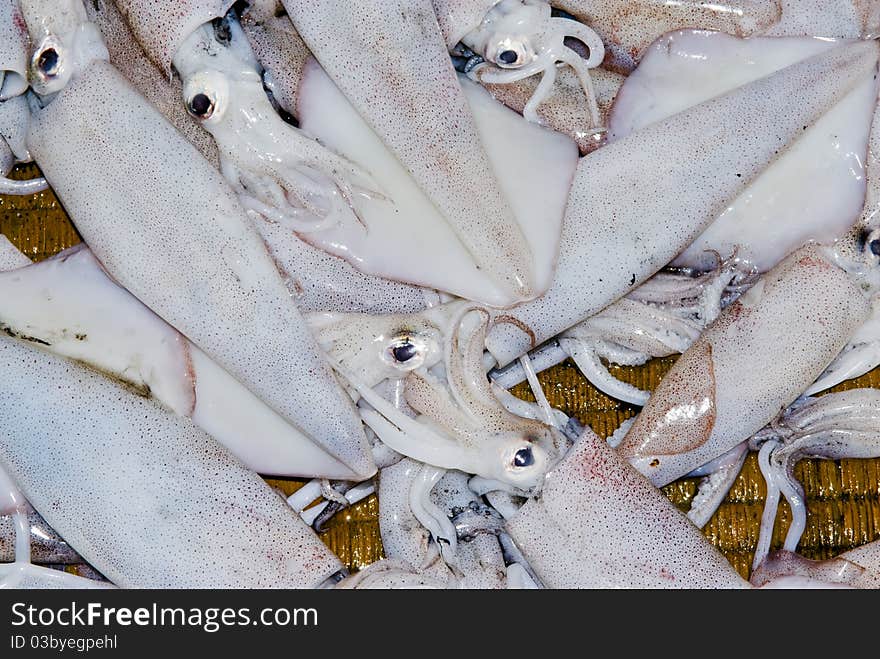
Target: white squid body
x=600 y=524
x=856 y=568
x=405 y=237
x=402 y=82
x=660 y=187
x=814 y=191
x=720 y=392
x=135 y=490
x=167 y=227
x=288 y=181
x=627 y=27
x=69 y=305
x=398 y=233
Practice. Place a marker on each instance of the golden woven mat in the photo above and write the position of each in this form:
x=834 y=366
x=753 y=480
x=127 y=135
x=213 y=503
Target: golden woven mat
x=843 y=498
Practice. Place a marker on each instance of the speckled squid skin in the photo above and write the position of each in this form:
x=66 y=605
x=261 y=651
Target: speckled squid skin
x=161 y=26
x=14 y=45
x=168 y=228
x=659 y=188
x=599 y=524
x=158 y=88
x=721 y=391
x=402 y=82
x=627 y=27
x=841 y=19
x=141 y=494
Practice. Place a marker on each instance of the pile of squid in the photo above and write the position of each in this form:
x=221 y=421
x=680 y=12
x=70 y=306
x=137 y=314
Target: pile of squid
x=323 y=240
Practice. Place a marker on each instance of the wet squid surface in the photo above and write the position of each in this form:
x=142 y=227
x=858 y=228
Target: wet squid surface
x=843 y=497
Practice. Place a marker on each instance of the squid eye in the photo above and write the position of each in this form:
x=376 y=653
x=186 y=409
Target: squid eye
x=524 y=458
x=48 y=62
x=201 y=106
x=404 y=351
x=874 y=246
x=508 y=56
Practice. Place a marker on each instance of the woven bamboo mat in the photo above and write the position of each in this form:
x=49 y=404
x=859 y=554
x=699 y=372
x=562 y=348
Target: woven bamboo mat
x=843 y=498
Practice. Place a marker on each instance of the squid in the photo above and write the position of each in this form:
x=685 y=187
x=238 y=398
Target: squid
x=565 y=108
x=599 y=524
x=845 y=19
x=151 y=81
x=711 y=400
x=168 y=228
x=135 y=490
x=461 y=424
x=856 y=568
x=628 y=27
x=406 y=89
x=68 y=305
x=619 y=197
x=30 y=539
x=518 y=39
x=662 y=317
x=347 y=195
x=815 y=190
x=317 y=282
x=423 y=510
x=835 y=426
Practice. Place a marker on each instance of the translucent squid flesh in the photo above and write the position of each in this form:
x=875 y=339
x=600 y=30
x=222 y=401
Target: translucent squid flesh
x=68 y=305
x=856 y=568
x=538 y=165
x=405 y=87
x=712 y=399
x=814 y=191
x=600 y=524
x=627 y=27
x=167 y=227
x=153 y=83
x=619 y=196
x=135 y=490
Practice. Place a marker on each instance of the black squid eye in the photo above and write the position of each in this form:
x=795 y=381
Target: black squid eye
x=874 y=246
x=524 y=458
x=404 y=351
x=508 y=56
x=201 y=106
x=47 y=62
